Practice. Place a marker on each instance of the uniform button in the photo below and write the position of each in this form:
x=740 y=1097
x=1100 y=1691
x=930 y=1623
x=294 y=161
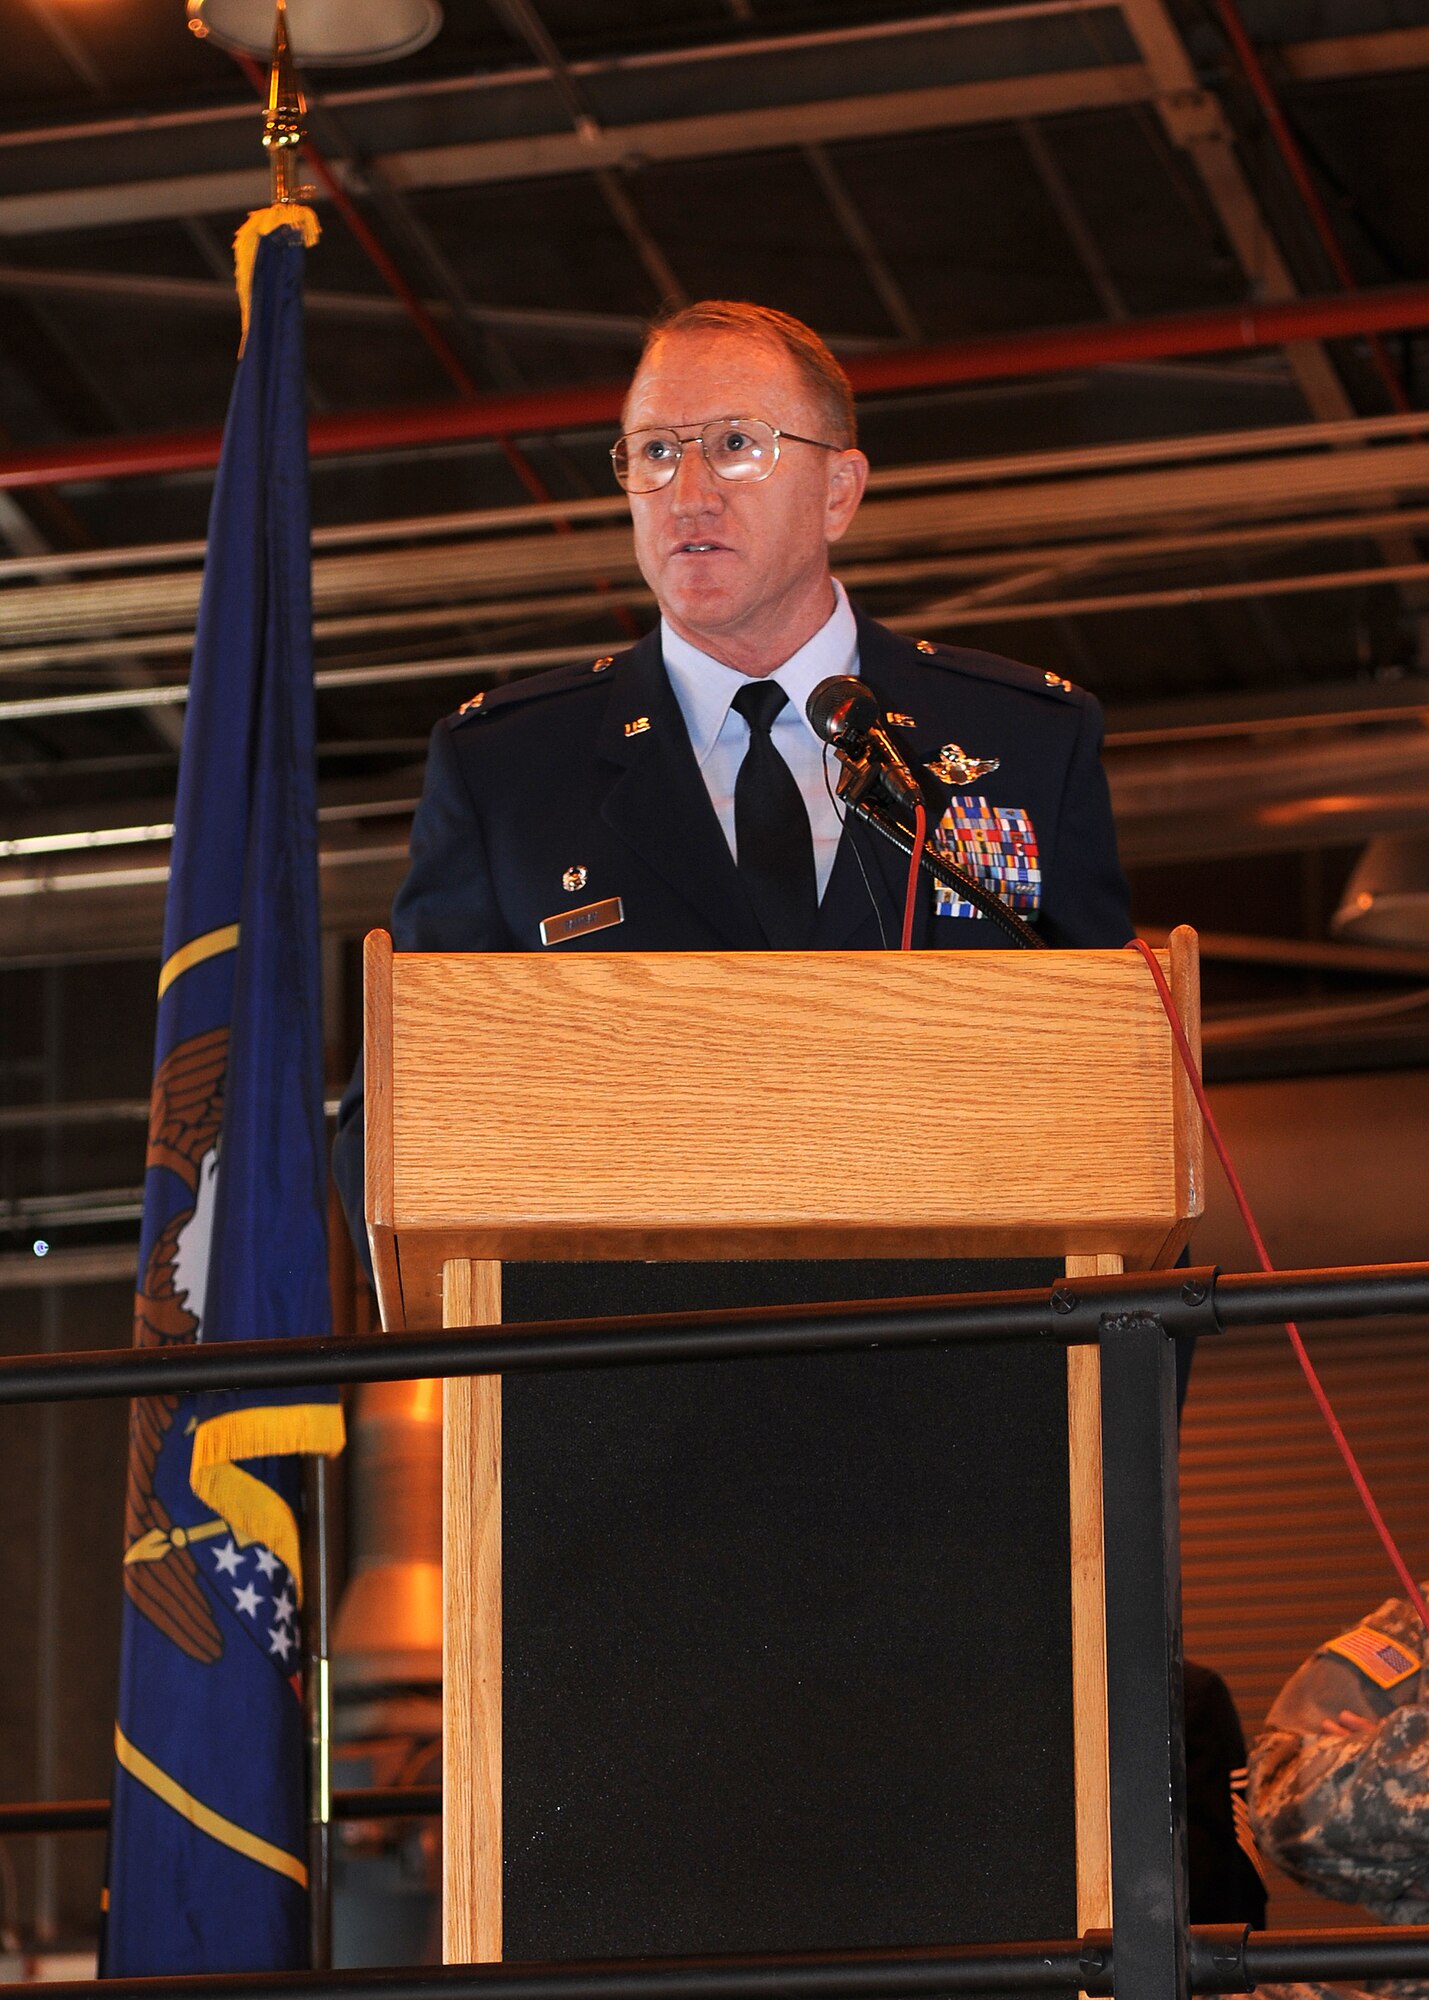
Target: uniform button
x=606 y=660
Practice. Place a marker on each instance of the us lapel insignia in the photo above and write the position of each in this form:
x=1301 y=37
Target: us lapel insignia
x=638 y=727
x=900 y=721
x=953 y=766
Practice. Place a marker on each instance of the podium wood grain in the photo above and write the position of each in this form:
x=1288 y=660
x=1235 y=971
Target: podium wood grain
x=707 y=1105
x=471 y=1634
x=1089 y=1723
x=678 y=1106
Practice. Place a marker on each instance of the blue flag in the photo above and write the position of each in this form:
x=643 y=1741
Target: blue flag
x=207 y=1860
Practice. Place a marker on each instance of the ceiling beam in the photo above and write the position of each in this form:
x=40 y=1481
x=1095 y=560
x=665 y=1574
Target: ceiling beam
x=1335 y=56
x=1165 y=77
x=624 y=330
x=1044 y=352
x=546 y=154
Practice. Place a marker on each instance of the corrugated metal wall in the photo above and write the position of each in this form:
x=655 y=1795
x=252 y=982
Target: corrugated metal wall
x=1277 y=1554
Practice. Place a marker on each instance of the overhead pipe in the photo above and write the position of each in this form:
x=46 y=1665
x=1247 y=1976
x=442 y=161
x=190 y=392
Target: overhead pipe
x=1043 y=352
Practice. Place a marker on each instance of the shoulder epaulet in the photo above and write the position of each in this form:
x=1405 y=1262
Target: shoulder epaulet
x=532 y=687
x=994 y=667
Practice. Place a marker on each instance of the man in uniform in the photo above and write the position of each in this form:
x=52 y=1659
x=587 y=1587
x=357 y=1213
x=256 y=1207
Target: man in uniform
x=675 y=797
x=1339 y=1776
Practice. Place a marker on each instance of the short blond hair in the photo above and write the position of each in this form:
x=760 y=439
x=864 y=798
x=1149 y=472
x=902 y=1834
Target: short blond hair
x=823 y=376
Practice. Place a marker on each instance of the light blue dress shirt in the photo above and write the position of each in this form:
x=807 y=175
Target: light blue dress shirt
x=719 y=735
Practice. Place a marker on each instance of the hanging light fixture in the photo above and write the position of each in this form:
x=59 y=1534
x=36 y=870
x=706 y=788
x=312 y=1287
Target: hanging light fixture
x=324 y=33
x=1386 y=900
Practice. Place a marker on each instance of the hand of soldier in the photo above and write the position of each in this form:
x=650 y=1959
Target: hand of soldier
x=1348 y=1723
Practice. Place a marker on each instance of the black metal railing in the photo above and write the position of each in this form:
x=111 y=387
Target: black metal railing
x=1221 y=1958
x=1073 y=1312
x=1135 y=1319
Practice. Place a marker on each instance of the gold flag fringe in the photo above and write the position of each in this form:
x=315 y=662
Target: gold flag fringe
x=252 y=1510
x=262 y=222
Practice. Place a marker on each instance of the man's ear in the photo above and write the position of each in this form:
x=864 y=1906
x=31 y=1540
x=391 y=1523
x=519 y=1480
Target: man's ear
x=848 y=475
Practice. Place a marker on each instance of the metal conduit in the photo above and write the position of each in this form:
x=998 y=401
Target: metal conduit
x=1222 y=1959
x=884 y=528
x=884 y=479
x=1071 y=1313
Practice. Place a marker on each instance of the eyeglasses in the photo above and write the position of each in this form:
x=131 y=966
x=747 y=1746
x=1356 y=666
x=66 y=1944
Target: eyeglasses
x=740 y=448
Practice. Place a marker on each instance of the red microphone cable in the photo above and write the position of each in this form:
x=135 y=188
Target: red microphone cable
x=1317 y=1388
x=910 y=898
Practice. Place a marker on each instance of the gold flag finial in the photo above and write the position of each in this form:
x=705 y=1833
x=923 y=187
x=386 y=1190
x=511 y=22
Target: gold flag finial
x=283 y=119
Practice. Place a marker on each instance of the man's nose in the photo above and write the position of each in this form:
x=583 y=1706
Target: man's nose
x=694 y=484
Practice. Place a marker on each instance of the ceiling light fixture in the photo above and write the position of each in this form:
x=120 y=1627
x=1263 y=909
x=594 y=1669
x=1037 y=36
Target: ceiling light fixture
x=1386 y=900
x=324 y=33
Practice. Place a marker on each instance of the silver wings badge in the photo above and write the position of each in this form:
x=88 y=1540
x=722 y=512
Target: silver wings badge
x=953 y=766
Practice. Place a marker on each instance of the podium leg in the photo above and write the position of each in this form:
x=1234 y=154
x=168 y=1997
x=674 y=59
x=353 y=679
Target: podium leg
x=1089 y=1726
x=471 y=1633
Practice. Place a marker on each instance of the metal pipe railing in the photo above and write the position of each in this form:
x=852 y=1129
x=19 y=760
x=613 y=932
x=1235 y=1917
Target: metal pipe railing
x=1224 y=1958
x=1070 y=1313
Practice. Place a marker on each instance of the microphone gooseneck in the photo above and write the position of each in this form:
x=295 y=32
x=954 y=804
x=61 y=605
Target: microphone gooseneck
x=877 y=785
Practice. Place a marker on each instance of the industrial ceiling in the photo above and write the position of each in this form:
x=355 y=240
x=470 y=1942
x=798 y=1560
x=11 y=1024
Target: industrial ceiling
x=1135 y=293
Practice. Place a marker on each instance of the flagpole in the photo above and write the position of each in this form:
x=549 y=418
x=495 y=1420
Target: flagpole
x=284 y=129
x=284 y=116
x=319 y=1698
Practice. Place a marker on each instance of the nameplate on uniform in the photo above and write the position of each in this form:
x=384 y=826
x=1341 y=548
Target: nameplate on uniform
x=577 y=923
x=1380 y=1658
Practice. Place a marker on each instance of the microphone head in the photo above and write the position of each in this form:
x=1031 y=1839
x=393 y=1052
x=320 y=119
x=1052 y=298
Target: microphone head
x=842 y=706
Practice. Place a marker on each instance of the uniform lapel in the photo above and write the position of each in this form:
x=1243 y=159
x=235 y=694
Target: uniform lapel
x=659 y=804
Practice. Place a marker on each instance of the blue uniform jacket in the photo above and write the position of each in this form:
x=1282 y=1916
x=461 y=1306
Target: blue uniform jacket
x=554 y=778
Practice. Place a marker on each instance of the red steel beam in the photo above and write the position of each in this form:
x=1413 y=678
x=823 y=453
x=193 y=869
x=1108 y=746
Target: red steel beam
x=1047 y=351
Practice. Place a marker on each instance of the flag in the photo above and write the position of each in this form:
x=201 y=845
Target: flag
x=207 y=1868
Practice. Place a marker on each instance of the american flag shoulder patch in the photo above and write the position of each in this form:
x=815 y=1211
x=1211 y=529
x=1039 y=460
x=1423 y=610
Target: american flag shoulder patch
x=1379 y=1658
x=997 y=846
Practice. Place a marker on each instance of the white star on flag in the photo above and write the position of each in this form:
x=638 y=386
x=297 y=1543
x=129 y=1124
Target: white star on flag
x=266 y=1561
x=228 y=1558
x=247 y=1600
x=280 y=1640
x=283 y=1604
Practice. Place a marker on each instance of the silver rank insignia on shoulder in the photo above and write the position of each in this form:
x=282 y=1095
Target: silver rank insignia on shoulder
x=475 y=702
x=1057 y=681
x=638 y=727
x=575 y=878
x=953 y=766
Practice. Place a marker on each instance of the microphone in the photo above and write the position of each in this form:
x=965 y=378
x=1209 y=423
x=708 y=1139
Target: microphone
x=847 y=714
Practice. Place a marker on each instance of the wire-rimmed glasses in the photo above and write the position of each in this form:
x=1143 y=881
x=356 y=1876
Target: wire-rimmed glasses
x=738 y=448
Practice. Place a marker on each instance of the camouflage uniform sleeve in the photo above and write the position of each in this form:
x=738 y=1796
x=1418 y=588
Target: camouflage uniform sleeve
x=1348 y=1815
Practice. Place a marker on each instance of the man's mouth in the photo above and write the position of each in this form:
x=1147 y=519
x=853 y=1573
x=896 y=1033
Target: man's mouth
x=699 y=548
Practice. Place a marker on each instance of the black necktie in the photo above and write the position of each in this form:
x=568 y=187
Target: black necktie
x=773 y=844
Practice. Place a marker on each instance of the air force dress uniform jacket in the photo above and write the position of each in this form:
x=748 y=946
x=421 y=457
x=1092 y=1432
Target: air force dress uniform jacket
x=578 y=789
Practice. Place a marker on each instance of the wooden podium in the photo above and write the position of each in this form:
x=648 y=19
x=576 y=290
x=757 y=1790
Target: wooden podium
x=828 y=1106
